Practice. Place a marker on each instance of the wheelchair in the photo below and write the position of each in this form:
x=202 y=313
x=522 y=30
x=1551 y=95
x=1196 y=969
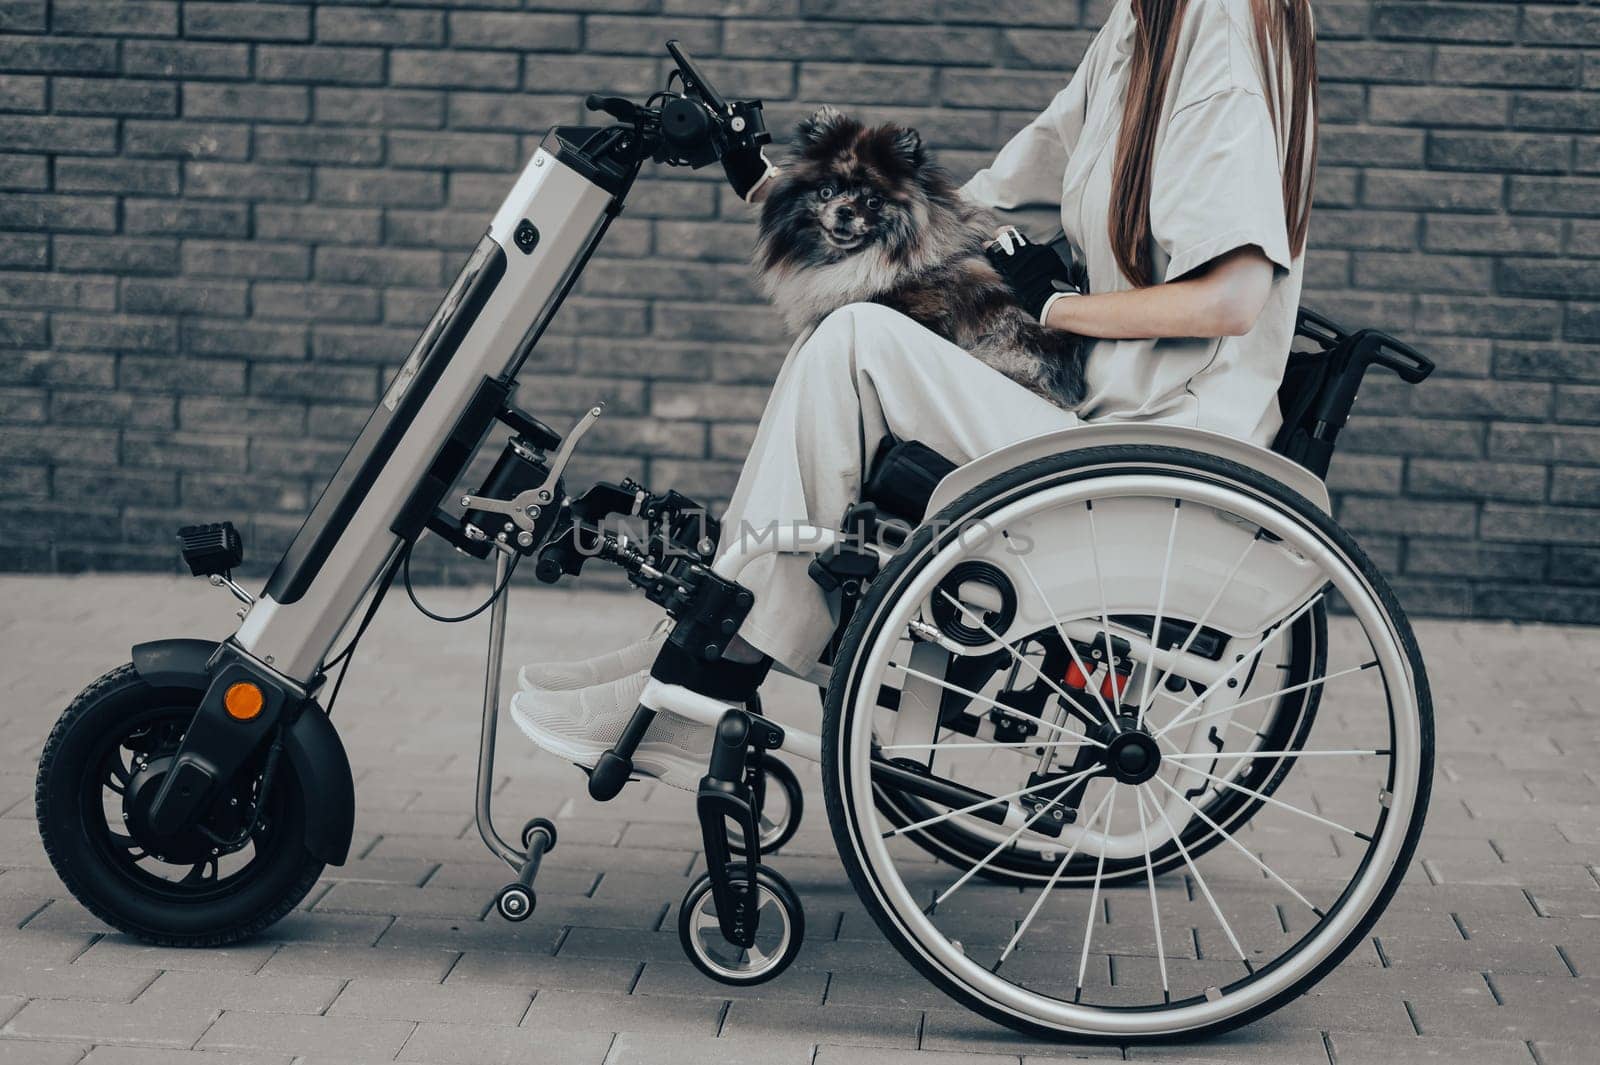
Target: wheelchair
x=1123 y=737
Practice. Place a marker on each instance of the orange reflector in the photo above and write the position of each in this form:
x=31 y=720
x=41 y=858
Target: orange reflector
x=243 y=701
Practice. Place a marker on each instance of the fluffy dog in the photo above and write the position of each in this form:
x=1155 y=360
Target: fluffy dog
x=862 y=214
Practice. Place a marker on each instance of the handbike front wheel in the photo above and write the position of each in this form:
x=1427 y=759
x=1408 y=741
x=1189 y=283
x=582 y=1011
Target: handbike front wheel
x=223 y=880
x=1236 y=930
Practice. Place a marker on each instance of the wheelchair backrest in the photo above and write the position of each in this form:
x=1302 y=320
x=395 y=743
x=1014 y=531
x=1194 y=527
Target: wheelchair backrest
x=1323 y=376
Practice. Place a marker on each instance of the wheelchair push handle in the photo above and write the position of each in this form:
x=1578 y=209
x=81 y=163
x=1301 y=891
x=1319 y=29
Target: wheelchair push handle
x=1412 y=366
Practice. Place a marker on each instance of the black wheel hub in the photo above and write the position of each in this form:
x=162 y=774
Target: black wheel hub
x=1131 y=754
x=179 y=848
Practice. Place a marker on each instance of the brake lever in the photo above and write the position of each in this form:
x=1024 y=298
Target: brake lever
x=618 y=108
x=525 y=507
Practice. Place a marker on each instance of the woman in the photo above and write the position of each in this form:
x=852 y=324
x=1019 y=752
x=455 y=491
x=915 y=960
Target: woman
x=1181 y=157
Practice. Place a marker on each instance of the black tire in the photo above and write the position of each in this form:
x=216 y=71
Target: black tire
x=790 y=911
x=776 y=773
x=988 y=497
x=99 y=871
x=1286 y=729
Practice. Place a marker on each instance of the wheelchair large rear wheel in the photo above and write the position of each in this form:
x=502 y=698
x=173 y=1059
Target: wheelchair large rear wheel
x=1203 y=895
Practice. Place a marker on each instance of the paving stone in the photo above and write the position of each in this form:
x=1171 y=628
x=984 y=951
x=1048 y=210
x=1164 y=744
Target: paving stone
x=631 y=1048
x=38 y=1052
x=110 y=1055
x=418 y=1001
x=303 y=1034
x=575 y=1011
x=171 y=1026
x=252 y=993
x=467 y=1044
x=793 y=1022
x=537 y=972
x=1362 y=1049
x=308 y=959
x=86 y=983
x=118 y=949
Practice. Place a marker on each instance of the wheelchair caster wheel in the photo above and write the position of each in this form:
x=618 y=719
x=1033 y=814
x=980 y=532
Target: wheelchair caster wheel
x=781 y=806
x=780 y=930
x=515 y=902
x=535 y=825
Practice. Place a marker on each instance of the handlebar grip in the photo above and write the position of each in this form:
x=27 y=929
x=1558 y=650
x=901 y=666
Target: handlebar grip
x=1412 y=366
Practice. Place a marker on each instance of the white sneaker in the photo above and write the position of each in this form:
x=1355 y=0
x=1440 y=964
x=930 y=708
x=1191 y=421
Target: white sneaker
x=581 y=725
x=601 y=669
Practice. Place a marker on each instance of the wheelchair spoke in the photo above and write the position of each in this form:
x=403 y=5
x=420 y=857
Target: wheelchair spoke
x=1205 y=615
x=1240 y=847
x=1155 y=907
x=1062 y=632
x=1009 y=711
x=1244 y=661
x=1272 y=801
x=1161 y=608
x=983 y=863
x=1094 y=901
x=981 y=745
x=1235 y=755
x=1200 y=881
x=1043 y=784
x=1044 y=892
x=1289 y=690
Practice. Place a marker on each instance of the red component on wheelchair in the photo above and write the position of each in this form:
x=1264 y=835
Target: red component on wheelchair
x=1076 y=677
x=1114 y=686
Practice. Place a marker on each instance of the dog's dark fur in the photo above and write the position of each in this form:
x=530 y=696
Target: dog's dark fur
x=894 y=230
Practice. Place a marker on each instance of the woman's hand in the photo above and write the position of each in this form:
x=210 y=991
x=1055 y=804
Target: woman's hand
x=1223 y=298
x=1035 y=273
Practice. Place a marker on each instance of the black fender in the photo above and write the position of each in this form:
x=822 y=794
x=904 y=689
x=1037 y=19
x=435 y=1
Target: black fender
x=310 y=742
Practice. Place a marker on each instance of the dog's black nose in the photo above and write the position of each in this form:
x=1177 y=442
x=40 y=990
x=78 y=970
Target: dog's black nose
x=845 y=213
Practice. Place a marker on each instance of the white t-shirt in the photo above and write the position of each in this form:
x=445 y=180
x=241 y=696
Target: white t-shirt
x=1216 y=186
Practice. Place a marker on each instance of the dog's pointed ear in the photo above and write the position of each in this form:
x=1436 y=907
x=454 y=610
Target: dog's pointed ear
x=907 y=145
x=821 y=122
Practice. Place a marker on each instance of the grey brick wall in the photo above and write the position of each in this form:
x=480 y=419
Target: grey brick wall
x=222 y=222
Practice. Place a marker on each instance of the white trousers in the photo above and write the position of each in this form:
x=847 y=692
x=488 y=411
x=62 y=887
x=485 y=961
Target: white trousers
x=865 y=372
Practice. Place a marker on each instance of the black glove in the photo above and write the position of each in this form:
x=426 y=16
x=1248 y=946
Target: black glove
x=1033 y=271
x=746 y=168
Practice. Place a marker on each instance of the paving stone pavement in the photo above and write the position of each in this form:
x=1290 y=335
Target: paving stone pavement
x=1489 y=953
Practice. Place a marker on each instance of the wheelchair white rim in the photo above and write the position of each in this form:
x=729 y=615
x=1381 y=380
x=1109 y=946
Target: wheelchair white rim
x=1304 y=955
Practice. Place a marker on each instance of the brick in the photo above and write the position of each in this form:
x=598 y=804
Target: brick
x=357 y=25
x=328 y=66
x=1444 y=22
x=518 y=31
x=185 y=218
x=1538 y=195
x=186 y=59
x=380 y=107
x=1544 y=110
x=186 y=139
x=325 y=225
x=148 y=177
x=24 y=172
x=144 y=18
x=113 y=333
x=1443 y=479
x=1540 y=443
x=257 y=22
x=1423 y=273
x=1522 y=152
x=1523 y=68
x=177 y=1027
x=1575 y=486
x=386 y=267
x=643 y=35
x=1376 y=147
x=26 y=15
x=57 y=55
x=1512 y=319
x=40 y=133
x=1539 y=525
x=1454 y=233
x=466 y=151
x=240 y=102
x=22 y=92
x=1460 y=192
x=1568 y=26
x=386 y=188
x=852 y=83
x=257 y=182
x=135 y=255
x=455 y=70
x=301 y=1034
x=315 y=145
x=1432 y=106
x=1553 y=277
x=114 y=96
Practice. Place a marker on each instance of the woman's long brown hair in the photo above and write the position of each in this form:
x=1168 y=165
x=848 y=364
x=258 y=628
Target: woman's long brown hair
x=1286 y=43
